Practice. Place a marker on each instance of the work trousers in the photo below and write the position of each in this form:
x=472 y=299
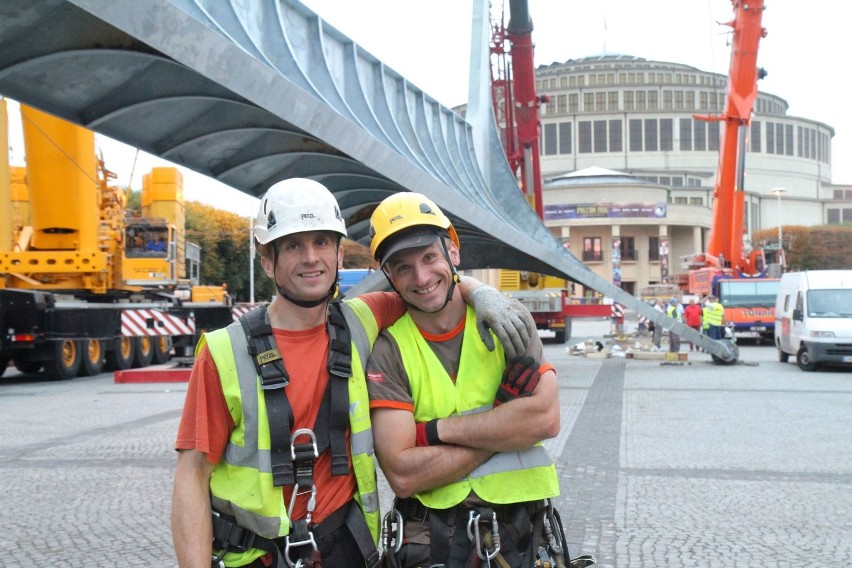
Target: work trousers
x=658 y=335
x=674 y=342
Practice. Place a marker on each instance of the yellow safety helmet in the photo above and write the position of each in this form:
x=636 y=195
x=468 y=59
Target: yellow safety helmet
x=402 y=213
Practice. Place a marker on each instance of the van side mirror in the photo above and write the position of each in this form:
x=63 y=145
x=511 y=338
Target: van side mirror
x=797 y=315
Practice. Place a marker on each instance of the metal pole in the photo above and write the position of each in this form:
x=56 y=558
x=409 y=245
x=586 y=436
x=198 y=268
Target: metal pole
x=251 y=260
x=779 y=220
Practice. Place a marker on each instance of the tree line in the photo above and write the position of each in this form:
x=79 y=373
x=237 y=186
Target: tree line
x=824 y=247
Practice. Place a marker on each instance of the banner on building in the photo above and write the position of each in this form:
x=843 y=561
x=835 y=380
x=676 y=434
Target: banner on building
x=604 y=210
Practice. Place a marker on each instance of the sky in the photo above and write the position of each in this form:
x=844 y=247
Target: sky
x=428 y=42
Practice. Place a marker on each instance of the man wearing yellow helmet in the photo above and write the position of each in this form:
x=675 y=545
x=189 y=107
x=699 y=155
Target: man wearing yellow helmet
x=275 y=440
x=457 y=428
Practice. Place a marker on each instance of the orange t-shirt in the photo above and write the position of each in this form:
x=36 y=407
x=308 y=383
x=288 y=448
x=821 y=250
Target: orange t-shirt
x=206 y=423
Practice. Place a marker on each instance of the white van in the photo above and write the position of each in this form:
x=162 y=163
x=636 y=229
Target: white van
x=813 y=318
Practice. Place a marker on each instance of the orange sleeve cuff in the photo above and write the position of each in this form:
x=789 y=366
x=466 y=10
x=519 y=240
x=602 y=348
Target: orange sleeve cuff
x=391 y=404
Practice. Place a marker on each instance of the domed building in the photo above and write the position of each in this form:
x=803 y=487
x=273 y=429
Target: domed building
x=629 y=170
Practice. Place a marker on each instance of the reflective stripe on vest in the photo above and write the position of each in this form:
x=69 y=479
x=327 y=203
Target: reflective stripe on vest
x=241 y=485
x=507 y=477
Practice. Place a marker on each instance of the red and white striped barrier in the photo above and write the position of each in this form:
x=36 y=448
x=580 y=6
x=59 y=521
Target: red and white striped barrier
x=241 y=310
x=135 y=323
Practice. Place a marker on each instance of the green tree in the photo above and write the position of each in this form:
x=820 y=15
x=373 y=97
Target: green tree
x=224 y=241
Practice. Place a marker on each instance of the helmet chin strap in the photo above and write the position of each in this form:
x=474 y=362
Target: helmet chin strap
x=332 y=292
x=308 y=303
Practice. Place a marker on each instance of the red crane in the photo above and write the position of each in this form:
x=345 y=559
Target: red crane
x=516 y=105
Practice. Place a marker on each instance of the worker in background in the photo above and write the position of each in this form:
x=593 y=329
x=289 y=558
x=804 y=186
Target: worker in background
x=658 y=329
x=275 y=445
x=692 y=318
x=673 y=312
x=156 y=244
x=714 y=316
x=457 y=428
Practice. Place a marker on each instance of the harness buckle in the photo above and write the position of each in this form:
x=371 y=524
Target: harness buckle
x=303 y=432
x=473 y=534
x=293 y=544
x=271 y=380
x=229 y=535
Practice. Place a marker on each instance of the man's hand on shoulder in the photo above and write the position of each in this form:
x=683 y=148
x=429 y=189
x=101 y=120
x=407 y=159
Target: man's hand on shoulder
x=507 y=318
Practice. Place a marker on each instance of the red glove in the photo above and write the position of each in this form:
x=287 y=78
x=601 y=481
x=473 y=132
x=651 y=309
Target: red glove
x=519 y=379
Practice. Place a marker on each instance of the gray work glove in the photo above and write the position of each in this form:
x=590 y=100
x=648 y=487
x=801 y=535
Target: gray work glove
x=508 y=319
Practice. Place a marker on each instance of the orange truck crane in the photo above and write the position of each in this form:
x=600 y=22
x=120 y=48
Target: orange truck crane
x=83 y=283
x=739 y=280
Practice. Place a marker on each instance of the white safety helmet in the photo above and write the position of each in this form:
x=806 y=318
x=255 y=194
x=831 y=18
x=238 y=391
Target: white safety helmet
x=294 y=206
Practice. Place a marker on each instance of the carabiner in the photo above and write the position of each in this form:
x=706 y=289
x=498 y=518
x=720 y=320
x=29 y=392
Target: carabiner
x=555 y=546
x=312 y=501
x=387 y=527
x=476 y=538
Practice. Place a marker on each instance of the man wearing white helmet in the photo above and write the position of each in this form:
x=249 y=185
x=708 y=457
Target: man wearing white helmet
x=275 y=441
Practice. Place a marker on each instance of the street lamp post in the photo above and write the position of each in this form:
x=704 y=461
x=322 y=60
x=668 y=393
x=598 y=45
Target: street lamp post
x=778 y=192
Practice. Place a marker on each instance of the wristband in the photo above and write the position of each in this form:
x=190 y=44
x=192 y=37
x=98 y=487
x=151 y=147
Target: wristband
x=432 y=433
x=420 y=438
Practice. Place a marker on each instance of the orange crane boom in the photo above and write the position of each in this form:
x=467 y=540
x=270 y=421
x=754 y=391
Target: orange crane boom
x=725 y=247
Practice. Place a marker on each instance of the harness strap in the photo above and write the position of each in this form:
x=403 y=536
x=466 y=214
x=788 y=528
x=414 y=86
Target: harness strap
x=339 y=370
x=273 y=377
x=332 y=418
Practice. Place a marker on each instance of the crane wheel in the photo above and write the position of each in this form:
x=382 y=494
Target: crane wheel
x=67 y=357
x=144 y=351
x=120 y=357
x=563 y=334
x=162 y=349
x=94 y=357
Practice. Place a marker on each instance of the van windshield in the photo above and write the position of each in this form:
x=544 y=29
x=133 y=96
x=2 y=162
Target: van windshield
x=830 y=303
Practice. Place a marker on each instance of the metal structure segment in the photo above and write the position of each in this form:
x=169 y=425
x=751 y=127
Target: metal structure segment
x=249 y=93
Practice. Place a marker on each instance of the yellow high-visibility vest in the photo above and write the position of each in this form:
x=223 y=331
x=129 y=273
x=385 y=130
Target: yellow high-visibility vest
x=507 y=477
x=241 y=484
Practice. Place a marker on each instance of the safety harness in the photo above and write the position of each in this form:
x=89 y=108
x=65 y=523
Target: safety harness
x=294 y=453
x=483 y=536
